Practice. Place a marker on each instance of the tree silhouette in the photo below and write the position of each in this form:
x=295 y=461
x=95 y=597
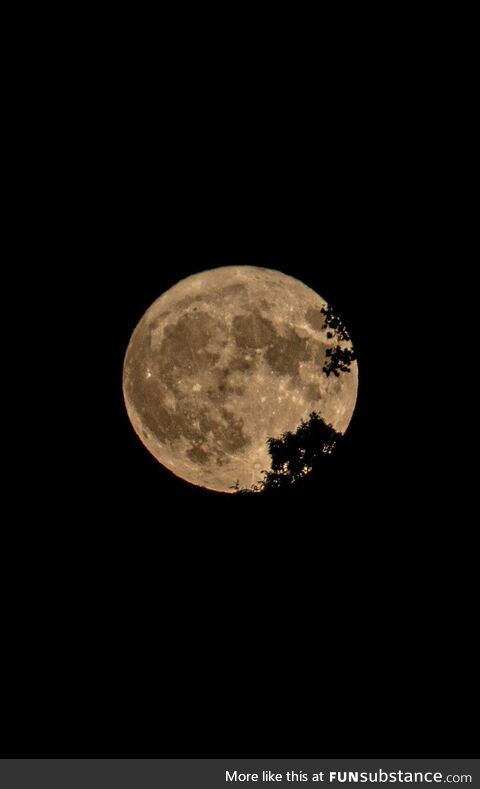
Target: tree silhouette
x=297 y=455
x=339 y=358
x=334 y=324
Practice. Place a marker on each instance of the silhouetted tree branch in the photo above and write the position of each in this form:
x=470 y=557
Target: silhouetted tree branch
x=296 y=455
x=339 y=357
x=339 y=360
x=334 y=324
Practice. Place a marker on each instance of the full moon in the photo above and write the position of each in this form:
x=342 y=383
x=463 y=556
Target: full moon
x=226 y=359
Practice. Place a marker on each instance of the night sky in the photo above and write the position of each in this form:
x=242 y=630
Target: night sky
x=147 y=617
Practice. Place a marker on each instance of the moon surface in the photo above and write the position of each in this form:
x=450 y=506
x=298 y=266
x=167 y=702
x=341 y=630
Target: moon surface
x=224 y=360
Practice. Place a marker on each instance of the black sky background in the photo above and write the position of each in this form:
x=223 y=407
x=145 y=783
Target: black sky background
x=147 y=617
